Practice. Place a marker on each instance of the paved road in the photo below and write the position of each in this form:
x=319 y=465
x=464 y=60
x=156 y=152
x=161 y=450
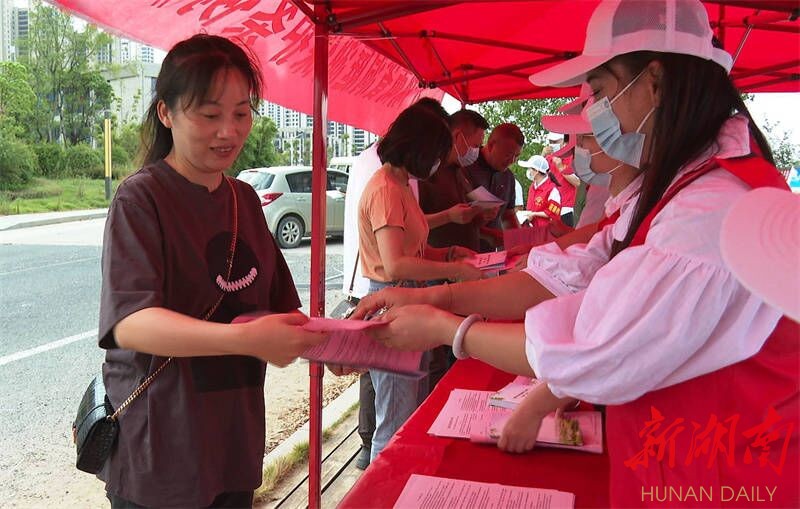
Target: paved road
x=49 y=300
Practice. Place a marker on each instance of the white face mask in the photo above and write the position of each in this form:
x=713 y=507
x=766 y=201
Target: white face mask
x=470 y=156
x=555 y=146
x=606 y=129
x=530 y=174
x=581 y=163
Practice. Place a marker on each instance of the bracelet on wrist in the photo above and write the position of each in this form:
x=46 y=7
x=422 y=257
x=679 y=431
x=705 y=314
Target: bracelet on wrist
x=458 y=339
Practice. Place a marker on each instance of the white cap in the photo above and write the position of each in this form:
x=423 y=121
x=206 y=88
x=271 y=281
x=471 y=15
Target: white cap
x=760 y=242
x=576 y=105
x=624 y=26
x=574 y=122
x=536 y=162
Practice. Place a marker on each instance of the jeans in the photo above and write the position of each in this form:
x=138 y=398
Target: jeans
x=396 y=397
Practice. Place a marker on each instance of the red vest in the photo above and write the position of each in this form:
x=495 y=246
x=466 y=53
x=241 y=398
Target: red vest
x=567 y=190
x=731 y=462
x=538 y=198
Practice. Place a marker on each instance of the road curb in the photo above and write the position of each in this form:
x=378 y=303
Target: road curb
x=53 y=220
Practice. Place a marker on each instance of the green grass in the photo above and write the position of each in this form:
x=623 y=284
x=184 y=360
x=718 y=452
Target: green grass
x=280 y=468
x=46 y=195
x=276 y=471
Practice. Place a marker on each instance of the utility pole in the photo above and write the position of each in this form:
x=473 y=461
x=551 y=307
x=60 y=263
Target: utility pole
x=107 y=151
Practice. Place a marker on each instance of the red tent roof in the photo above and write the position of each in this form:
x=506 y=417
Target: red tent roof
x=382 y=50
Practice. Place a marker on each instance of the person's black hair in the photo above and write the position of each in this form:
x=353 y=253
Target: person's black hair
x=415 y=141
x=433 y=106
x=697 y=98
x=185 y=79
x=467 y=120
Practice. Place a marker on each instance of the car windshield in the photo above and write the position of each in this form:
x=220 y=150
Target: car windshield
x=258 y=179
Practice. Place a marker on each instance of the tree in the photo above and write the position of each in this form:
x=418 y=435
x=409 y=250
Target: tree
x=86 y=95
x=17 y=99
x=259 y=149
x=785 y=153
x=70 y=92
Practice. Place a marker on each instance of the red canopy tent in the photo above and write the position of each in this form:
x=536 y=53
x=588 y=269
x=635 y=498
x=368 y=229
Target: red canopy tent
x=374 y=57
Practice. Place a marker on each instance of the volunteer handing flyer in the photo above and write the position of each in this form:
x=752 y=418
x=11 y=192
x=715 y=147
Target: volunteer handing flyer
x=348 y=345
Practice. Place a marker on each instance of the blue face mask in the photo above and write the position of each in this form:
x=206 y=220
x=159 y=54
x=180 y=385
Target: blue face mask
x=605 y=126
x=581 y=163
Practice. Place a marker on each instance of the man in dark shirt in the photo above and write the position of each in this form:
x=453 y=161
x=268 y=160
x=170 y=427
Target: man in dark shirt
x=450 y=185
x=491 y=170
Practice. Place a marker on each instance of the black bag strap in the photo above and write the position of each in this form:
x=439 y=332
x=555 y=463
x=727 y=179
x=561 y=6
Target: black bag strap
x=353 y=276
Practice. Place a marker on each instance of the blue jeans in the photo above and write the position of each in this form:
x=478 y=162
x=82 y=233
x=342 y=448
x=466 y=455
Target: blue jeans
x=396 y=397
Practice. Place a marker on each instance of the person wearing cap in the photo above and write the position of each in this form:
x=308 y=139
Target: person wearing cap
x=760 y=242
x=560 y=168
x=659 y=329
x=543 y=193
x=571 y=121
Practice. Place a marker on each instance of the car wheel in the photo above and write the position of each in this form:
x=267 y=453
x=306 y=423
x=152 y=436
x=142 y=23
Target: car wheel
x=290 y=232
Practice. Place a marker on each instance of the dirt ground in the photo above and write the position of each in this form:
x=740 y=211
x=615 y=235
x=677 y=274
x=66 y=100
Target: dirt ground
x=48 y=478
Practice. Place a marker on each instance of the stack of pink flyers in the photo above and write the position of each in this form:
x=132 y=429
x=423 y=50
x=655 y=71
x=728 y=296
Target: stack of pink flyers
x=349 y=345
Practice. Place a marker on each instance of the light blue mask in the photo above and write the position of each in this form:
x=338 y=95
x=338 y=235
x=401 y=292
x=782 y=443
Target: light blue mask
x=470 y=156
x=581 y=163
x=606 y=129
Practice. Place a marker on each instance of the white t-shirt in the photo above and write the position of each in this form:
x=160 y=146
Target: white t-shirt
x=364 y=167
x=518 y=194
x=657 y=314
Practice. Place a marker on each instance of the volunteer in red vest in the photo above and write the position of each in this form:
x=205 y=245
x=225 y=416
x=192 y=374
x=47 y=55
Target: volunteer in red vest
x=561 y=169
x=543 y=195
x=699 y=374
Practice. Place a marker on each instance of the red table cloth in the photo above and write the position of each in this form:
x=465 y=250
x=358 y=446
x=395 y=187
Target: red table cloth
x=413 y=451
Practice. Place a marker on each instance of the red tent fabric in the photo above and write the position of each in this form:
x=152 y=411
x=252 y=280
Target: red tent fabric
x=382 y=50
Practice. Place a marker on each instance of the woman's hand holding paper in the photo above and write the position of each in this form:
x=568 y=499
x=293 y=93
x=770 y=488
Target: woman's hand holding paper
x=405 y=328
x=293 y=339
x=395 y=297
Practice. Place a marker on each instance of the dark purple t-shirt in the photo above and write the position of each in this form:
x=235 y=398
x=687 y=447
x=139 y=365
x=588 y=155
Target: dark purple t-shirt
x=198 y=430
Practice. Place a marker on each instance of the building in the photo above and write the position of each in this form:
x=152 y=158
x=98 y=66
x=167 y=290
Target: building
x=14 y=23
x=134 y=85
x=294 y=134
x=131 y=69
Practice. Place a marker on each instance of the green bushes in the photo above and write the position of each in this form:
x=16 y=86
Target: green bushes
x=81 y=160
x=51 y=159
x=18 y=164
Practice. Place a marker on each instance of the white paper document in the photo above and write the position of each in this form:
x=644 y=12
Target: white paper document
x=483 y=198
x=349 y=345
x=428 y=492
x=512 y=394
x=455 y=420
x=468 y=414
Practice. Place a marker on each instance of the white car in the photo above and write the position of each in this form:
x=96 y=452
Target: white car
x=285 y=193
